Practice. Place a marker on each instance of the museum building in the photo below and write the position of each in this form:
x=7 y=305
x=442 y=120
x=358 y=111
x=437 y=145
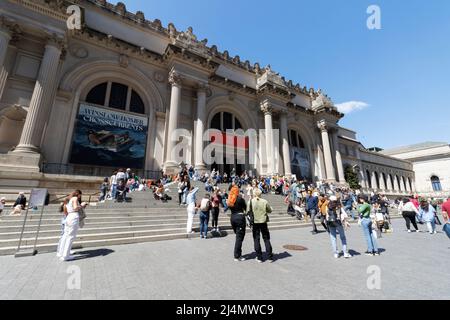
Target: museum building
x=112 y=93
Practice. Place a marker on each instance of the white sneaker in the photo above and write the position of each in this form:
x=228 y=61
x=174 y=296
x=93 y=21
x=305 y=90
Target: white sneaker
x=409 y=231
x=241 y=259
x=69 y=258
x=347 y=256
x=336 y=256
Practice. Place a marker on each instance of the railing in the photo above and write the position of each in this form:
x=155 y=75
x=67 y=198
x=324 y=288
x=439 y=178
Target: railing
x=93 y=171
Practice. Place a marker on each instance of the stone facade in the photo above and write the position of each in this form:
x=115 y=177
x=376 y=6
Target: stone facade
x=47 y=72
x=431 y=163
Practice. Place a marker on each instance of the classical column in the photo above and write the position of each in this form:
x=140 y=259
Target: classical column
x=175 y=102
x=340 y=166
x=331 y=176
x=285 y=142
x=374 y=181
x=5 y=37
x=40 y=104
x=267 y=109
x=200 y=128
x=389 y=183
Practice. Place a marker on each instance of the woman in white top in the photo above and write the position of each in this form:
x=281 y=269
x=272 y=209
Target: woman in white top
x=71 y=227
x=409 y=212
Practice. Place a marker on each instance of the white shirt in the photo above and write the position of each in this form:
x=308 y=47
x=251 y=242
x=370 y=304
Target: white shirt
x=113 y=179
x=121 y=175
x=410 y=207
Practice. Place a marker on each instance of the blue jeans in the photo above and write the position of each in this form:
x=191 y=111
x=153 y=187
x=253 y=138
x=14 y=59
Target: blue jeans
x=225 y=206
x=372 y=245
x=204 y=221
x=333 y=231
x=113 y=191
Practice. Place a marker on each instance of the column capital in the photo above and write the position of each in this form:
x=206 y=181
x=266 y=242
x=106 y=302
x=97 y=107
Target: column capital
x=267 y=108
x=55 y=40
x=323 y=125
x=202 y=87
x=8 y=27
x=175 y=78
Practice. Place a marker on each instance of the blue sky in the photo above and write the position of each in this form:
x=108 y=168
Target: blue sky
x=401 y=71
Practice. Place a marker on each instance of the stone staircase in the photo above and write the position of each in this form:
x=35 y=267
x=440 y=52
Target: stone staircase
x=143 y=219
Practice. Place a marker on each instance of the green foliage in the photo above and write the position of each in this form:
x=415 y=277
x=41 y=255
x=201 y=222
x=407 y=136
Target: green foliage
x=352 y=178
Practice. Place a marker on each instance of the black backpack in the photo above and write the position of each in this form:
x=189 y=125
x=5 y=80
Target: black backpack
x=333 y=219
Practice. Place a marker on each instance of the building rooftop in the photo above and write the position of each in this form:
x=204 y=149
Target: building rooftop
x=414 y=147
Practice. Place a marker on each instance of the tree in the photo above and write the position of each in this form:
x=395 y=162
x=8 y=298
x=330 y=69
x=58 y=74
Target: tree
x=352 y=177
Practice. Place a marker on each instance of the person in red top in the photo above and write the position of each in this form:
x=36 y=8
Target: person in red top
x=446 y=211
x=415 y=201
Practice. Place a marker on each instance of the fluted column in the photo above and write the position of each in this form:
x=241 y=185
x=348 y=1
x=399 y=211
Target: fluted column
x=374 y=181
x=175 y=102
x=40 y=104
x=331 y=176
x=285 y=146
x=382 y=182
x=267 y=109
x=389 y=183
x=5 y=37
x=200 y=127
x=339 y=164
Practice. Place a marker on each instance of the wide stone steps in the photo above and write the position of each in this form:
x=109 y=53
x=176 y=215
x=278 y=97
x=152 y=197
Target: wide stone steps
x=141 y=220
x=48 y=244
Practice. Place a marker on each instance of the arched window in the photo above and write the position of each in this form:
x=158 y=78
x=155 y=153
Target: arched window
x=369 y=179
x=436 y=183
x=116 y=96
x=224 y=121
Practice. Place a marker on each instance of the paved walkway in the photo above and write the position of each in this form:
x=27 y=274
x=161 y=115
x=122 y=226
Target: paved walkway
x=413 y=266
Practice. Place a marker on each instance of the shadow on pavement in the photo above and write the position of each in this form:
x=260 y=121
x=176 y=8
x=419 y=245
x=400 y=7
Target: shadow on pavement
x=81 y=255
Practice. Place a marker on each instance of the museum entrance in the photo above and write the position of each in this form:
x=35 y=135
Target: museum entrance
x=236 y=145
x=300 y=159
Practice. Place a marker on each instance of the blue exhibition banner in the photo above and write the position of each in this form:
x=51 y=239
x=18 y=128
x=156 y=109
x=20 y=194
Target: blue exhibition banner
x=105 y=137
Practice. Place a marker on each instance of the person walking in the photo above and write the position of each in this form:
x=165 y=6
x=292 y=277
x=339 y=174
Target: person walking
x=427 y=213
x=239 y=225
x=216 y=201
x=312 y=209
x=191 y=208
x=409 y=212
x=72 y=225
x=366 y=224
x=336 y=218
x=103 y=191
x=205 y=209
x=261 y=209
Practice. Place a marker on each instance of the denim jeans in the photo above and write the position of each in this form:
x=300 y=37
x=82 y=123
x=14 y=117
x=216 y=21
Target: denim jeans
x=431 y=225
x=113 y=191
x=333 y=232
x=204 y=221
x=372 y=245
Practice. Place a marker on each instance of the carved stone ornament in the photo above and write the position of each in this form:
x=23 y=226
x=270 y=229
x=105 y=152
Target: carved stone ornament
x=175 y=78
x=322 y=125
x=78 y=51
x=322 y=101
x=267 y=108
x=124 y=61
x=159 y=77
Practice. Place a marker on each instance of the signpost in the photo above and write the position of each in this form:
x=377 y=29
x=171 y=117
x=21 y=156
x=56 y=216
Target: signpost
x=38 y=198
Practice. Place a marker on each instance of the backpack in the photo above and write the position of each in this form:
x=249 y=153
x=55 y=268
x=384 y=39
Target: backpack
x=332 y=218
x=205 y=205
x=232 y=197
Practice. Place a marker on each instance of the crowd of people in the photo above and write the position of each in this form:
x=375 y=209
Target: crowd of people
x=333 y=206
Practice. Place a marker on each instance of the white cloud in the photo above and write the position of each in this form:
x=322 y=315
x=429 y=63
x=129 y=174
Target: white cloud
x=350 y=106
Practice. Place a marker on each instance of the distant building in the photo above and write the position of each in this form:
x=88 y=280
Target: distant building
x=431 y=163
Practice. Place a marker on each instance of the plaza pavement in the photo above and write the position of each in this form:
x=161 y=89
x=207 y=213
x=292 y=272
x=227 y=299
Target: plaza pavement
x=413 y=266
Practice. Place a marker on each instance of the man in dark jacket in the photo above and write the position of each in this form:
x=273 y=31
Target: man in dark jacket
x=312 y=208
x=239 y=224
x=21 y=200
